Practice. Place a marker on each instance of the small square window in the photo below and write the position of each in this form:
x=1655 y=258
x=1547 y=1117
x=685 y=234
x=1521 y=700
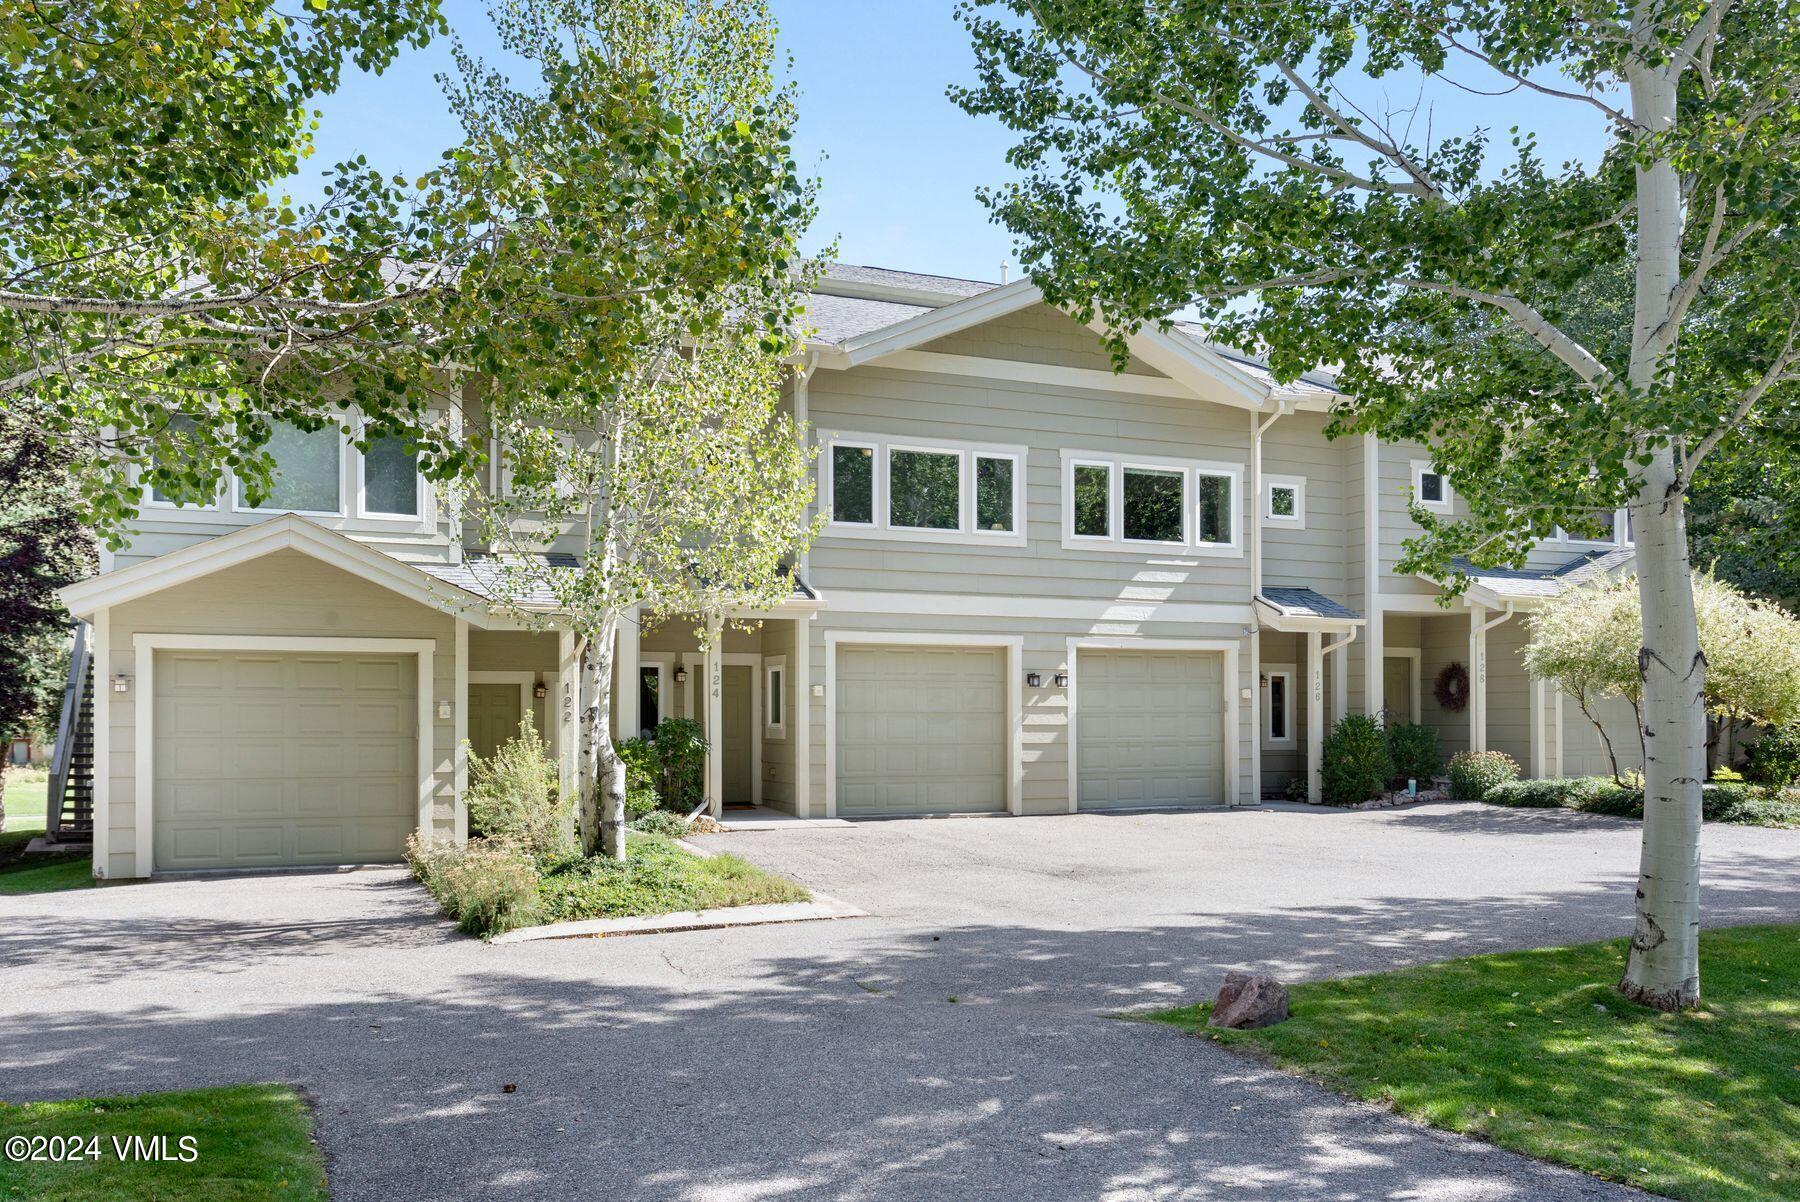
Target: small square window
x=1093 y=500
x=1431 y=488
x=853 y=485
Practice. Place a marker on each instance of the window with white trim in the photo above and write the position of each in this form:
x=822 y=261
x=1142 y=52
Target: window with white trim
x=1124 y=504
x=391 y=486
x=1431 y=487
x=1284 y=501
x=308 y=472
x=1612 y=526
x=775 y=697
x=183 y=425
x=922 y=489
x=1278 y=706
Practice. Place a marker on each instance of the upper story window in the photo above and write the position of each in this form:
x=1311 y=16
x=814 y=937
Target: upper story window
x=391 y=485
x=1604 y=527
x=308 y=474
x=874 y=486
x=1284 y=501
x=319 y=473
x=1431 y=487
x=1119 y=503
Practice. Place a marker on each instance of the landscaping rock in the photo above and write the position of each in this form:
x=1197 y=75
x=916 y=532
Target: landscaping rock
x=1248 y=1001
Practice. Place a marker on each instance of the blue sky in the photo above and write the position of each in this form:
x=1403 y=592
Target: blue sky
x=899 y=162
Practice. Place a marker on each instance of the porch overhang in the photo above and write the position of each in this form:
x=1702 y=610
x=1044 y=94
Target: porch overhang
x=1531 y=588
x=1304 y=610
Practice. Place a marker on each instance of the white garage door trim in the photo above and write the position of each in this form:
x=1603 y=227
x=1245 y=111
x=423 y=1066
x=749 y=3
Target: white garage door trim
x=1228 y=677
x=1013 y=644
x=147 y=645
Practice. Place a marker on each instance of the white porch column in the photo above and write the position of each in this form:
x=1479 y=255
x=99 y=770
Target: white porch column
x=1315 y=715
x=626 y=716
x=715 y=716
x=460 y=753
x=1477 y=677
x=1340 y=685
x=800 y=685
x=1540 y=746
x=565 y=704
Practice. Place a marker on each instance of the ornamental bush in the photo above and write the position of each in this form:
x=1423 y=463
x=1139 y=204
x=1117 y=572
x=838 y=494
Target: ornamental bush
x=1473 y=773
x=1413 y=746
x=1774 y=759
x=641 y=796
x=485 y=887
x=1356 y=764
x=516 y=799
x=662 y=822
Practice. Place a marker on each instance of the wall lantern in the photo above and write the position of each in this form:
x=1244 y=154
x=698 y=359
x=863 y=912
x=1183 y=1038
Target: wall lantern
x=1062 y=680
x=681 y=676
x=443 y=711
x=540 y=690
x=1033 y=679
x=121 y=683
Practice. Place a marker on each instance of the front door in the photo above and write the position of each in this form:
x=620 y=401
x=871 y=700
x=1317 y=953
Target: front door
x=1396 y=686
x=735 y=701
x=493 y=717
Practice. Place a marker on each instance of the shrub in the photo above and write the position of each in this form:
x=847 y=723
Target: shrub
x=1774 y=759
x=1356 y=764
x=1473 y=773
x=661 y=822
x=516 y=799
x=641 y=796
x=1414 y=749
x=680 y=762
x=1532 y=794
x=486 y=887
x=1724 y=774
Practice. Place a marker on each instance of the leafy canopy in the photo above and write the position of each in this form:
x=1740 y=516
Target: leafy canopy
x=1236 y=156
x=147 y=268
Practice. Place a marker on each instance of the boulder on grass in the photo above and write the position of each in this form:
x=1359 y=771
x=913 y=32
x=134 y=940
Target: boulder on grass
x=1249 y=1000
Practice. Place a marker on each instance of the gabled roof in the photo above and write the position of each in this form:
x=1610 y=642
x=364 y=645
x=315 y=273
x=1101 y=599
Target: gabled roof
x=865 y=314
x=284 y=533
x=1491 y=586
x=1295 y=609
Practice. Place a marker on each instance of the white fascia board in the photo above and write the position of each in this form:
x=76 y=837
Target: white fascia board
x=1211 y=376
x=283 y=533
x=938 y=323
x=1272 y=617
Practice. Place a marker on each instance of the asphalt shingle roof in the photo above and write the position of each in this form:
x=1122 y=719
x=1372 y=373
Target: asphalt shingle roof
x=1305 y=603
x=887 y=277
x=841 y=318
x=1547 y=582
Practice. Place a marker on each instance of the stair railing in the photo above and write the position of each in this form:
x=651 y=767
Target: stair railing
x=66 y=726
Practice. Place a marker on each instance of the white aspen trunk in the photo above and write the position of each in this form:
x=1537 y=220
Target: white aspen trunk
x=601 y=806
x=1663 y=967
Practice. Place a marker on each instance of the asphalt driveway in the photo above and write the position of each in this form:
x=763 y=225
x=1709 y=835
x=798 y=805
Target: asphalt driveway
x=954 y=1044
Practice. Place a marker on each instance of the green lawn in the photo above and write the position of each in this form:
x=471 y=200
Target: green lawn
x=1537 y=1052
x=657 y=877
x=251 y=1143
x=25 y=794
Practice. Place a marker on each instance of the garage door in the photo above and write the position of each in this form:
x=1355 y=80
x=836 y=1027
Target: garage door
x=921 y=730
x=1149 y=729
x=269 y=760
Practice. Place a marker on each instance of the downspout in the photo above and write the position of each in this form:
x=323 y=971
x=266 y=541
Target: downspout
x=1478 y=686
x=1258 y=426
x=802 y=417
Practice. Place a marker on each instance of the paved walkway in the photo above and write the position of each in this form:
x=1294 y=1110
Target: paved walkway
x=953 y=1045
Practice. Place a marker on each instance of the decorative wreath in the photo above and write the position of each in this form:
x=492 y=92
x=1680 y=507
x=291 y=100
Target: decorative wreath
x=1452 y=688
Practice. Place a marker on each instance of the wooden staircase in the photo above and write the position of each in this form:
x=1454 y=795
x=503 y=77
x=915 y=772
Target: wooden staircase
x=69 y=813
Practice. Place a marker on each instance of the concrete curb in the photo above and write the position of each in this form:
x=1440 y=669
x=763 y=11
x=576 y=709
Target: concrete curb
x=820 y=908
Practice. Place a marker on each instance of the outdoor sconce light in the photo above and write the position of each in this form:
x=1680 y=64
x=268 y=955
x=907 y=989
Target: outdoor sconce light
x=540 y=690
x=121 y=683
x=1033 y=679
x=443 y=711
x=681 y=676
x=1062 y=680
